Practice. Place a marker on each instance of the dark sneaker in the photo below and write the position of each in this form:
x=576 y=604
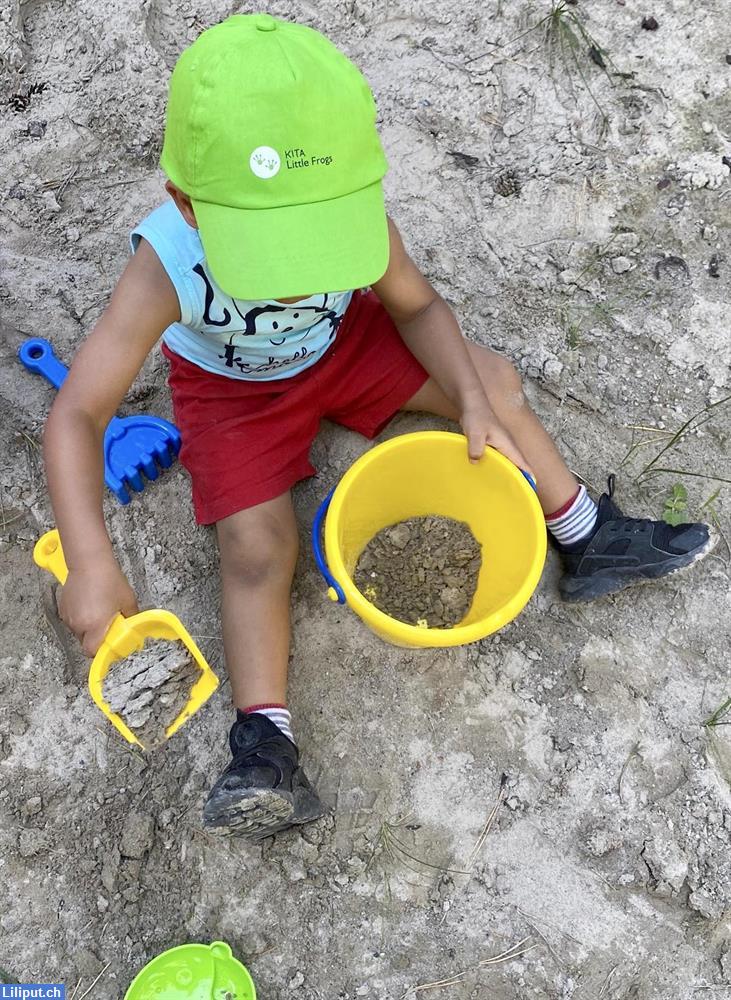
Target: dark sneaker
x=627 y=550
x=263 y=789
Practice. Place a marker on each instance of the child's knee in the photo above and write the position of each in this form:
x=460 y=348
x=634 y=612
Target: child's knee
x=258 y=553
x=503 y=382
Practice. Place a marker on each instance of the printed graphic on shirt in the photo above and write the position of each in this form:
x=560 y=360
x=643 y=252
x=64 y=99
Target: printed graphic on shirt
x=257 y=340
x=277 y=322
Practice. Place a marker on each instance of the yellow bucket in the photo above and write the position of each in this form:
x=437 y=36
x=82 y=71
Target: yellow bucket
x=430 y=473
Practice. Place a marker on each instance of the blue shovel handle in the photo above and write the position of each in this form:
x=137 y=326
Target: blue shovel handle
x=317 y=548
x=37 y=356
x=530 y=479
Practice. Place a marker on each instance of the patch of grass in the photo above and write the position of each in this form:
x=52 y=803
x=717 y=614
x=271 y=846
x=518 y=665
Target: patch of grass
x=390 y=844
x=635 y=445
x=693 y=423
x=709 y=505
x=575 y=318
x=572 y=330
x=565 y=30
x=718 y=746
x=598 y=254
x=6 y=978
x=718 y=717
x=565 y=33
x=676 y=505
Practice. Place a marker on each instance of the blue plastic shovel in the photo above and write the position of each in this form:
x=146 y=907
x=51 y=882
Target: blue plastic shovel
x=132 y=445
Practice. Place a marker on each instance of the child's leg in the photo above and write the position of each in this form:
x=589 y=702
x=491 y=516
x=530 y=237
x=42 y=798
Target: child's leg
x=258 y=550
x=503 y=387
x=602 y=550
x=263 y=789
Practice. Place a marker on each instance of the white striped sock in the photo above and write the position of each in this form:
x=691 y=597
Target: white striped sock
x=281 y=718
x=577 y=522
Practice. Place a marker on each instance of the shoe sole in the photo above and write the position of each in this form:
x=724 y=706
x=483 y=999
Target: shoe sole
x=605 y=582
x=260 y=813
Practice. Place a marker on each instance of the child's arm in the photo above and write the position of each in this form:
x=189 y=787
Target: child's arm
x=431 y=332
x=143 y=304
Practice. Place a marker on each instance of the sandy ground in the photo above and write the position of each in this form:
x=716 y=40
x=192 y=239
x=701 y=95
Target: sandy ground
x=607 y=868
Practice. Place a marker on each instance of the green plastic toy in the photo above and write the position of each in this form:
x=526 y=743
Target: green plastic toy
x=193 y=972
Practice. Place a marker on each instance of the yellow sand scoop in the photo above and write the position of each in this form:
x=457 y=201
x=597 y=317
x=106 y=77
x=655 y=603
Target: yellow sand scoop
x=126 y=636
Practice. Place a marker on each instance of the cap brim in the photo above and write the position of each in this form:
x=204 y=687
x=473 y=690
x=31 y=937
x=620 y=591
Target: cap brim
x=296 y=250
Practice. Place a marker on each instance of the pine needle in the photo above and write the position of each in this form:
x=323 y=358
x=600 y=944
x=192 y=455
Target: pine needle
x=515 y=951
x=87 y=992
x=501 y=796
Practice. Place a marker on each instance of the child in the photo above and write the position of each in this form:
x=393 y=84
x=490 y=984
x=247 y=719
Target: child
x=253 y=273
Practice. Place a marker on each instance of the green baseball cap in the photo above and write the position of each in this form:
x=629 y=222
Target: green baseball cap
x=271 y=132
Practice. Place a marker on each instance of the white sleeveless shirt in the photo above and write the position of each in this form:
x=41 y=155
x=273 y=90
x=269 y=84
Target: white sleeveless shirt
x=254 y=341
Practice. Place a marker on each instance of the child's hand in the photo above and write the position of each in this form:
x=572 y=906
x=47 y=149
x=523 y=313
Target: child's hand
x=91 y=598
x=481 y=427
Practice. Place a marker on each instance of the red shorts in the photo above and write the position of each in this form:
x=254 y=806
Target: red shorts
x=245 y=442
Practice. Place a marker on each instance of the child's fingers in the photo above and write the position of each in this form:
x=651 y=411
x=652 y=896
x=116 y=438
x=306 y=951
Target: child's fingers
x=91 y=641
x=130 y=606
x=476 y=445
x=506 y=446
x=501 y=440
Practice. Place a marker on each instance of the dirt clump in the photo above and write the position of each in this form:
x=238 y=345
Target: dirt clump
x=149 y=689
x=422 y=571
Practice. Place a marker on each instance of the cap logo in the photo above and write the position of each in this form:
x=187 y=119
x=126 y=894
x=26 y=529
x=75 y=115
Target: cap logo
x=265 y=162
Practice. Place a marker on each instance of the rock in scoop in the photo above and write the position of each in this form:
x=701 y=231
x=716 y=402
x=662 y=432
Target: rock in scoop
x=150 y=689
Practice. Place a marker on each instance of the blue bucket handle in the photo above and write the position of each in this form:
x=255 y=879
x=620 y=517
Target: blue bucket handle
x=335 y=588
x=530 y=479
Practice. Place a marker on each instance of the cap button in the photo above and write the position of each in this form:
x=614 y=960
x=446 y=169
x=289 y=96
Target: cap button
x=265 y=22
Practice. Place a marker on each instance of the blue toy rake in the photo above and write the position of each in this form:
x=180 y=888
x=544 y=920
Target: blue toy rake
x=132 y=445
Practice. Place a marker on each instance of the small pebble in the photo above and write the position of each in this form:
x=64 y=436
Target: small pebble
x=33 y=806
x=621 y=264
x=36 y=129
x=138 y=835
x=552 y=369
x=650 y=23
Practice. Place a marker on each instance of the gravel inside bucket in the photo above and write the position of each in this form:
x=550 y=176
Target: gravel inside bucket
x=422 y=571
x=150 y=689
